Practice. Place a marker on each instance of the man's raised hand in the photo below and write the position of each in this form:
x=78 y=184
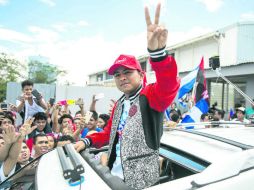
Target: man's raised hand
x=156 y=35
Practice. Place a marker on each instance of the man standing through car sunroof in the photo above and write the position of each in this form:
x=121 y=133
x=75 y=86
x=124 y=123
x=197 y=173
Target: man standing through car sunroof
x=135 y=127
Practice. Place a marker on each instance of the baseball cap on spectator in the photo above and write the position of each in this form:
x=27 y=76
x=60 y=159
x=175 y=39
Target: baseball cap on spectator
x=242 y=109
x=127 y=61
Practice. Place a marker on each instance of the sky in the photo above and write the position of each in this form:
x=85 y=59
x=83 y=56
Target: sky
x=84 y=36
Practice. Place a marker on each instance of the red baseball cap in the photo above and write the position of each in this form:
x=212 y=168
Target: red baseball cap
x=127 y=61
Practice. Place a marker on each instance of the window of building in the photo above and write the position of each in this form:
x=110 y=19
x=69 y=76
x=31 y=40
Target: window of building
x=225 y=95
x=99 y=77
x=108 y=76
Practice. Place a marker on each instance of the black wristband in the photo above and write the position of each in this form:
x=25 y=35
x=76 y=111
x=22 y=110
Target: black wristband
x=87 y=142
x=158 y=54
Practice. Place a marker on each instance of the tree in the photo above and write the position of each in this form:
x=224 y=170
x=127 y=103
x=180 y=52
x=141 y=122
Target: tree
x=43 y=72
x=10 y=71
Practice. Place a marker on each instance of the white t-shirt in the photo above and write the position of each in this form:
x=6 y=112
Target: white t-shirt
x=30 y=110
x=2 y=176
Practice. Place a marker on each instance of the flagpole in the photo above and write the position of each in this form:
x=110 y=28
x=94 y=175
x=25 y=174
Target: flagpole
x=237 y=89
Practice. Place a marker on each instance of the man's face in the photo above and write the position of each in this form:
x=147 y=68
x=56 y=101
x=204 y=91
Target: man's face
x=40 y=124
x=51 y=142
x=92 y=124
x=77 y=122
x=27 y=90
x=41 y=145
x=100 y=123
x=239 y=115
x=6 y=122
x=127 y=80
x=206 y=119
x=217 y=115
x=66 y=122
x=24 y=154
x=78 y=115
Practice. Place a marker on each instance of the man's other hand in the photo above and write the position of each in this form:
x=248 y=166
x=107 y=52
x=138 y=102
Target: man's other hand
x=80 y=145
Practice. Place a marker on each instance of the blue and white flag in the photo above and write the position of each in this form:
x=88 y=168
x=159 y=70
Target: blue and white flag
x=167 y=114
x=196 y=111
x=186 y=85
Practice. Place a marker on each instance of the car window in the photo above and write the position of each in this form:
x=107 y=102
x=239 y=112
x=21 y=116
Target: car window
x=23 y=178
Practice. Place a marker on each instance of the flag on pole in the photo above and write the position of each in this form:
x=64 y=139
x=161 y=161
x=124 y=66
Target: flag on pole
x=201 y=87
x=186 y=86
x=201 y=97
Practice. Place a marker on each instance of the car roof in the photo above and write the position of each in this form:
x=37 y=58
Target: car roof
x=206 y=148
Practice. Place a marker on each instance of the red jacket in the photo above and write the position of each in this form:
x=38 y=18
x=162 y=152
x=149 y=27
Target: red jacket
x=159 y=96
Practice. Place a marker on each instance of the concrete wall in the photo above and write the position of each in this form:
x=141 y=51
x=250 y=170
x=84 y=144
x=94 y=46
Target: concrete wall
x=245 y=42
x=75 y=92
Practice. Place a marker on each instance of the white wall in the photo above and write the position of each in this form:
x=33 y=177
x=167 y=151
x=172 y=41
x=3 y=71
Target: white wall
x=228 y=47
x=245 y=48
x=75 y=92
x=189 y=56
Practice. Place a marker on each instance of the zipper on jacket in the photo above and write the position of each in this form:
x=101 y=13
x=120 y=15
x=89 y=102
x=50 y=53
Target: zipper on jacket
x=139 y=156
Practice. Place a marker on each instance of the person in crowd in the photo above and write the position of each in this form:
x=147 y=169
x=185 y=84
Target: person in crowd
x=237 y=105
x=51 y=141
x=135 y=127
x=173 y=106
x=240 y=115
x=91 y=125
x=103 y=120
x=18 y=154
x=175 y=119
x=111 y=106
x=219 y=114
x=250 y=112
x=204 y=117
x=27 y=103
x=65 y=121
x=5 y=121
x=79 y=123
x=40 y=126
x=40 y=145
x=14 y=116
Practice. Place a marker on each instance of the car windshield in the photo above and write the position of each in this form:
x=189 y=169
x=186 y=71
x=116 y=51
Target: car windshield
x=22 y=178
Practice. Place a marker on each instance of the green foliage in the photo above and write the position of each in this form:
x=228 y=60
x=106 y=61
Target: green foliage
x=44 y=73
x=10 y=71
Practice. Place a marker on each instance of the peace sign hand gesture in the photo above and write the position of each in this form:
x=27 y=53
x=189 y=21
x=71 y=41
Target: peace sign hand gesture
x=156 y=35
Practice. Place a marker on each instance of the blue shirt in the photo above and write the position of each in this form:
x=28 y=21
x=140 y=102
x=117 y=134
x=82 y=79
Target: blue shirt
x=86 y=130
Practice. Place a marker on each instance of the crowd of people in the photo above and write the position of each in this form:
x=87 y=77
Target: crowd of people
x=240 y=114
x=132 y=128
x=44 y=127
